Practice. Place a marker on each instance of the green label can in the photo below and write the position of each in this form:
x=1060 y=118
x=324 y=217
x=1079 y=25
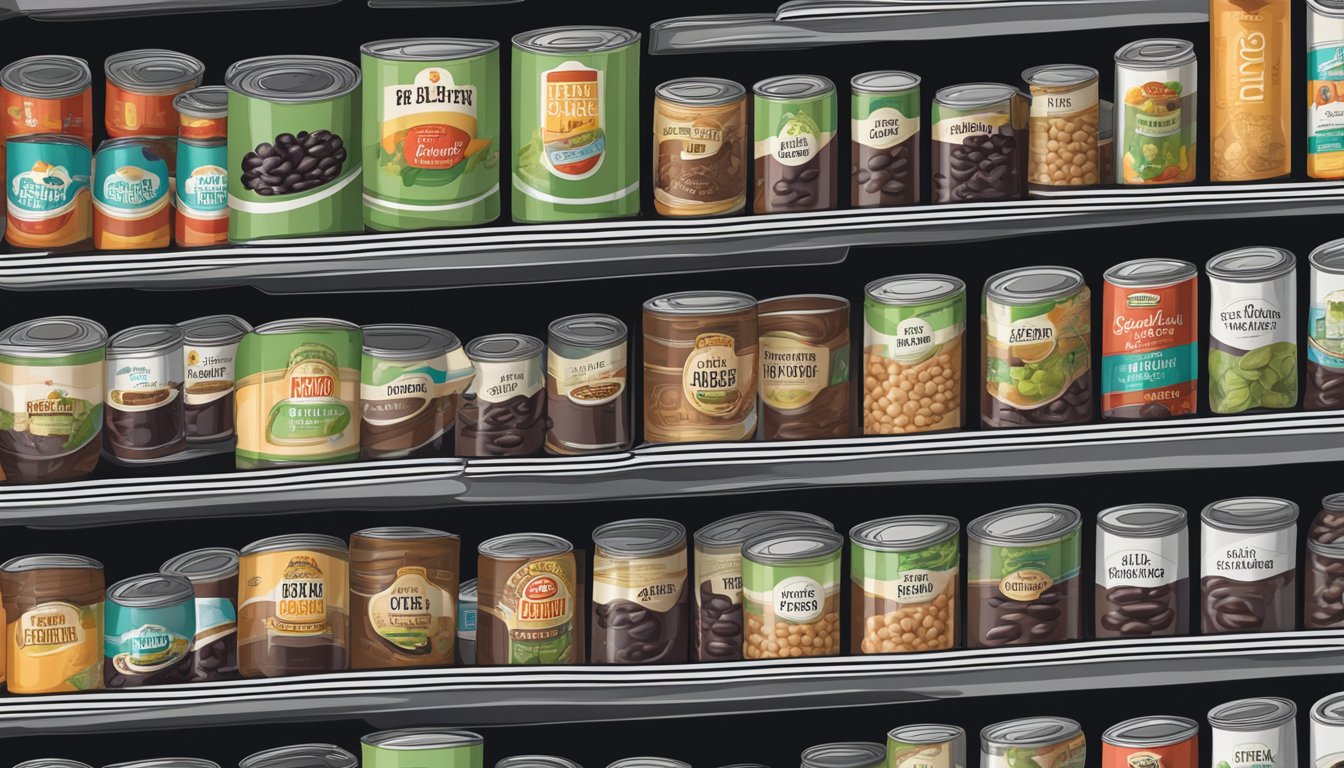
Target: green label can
x=423 y=748
x=575 y=124
x=431 y=133
x=791 y=594
x=794 y=124
x=293 y=148
x=926 y=745
x=884 y=138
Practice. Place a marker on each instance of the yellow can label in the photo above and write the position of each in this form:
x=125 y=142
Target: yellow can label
x=56 y=646
x=294 y=593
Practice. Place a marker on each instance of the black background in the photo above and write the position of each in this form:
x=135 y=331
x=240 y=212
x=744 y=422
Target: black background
x=774 y=739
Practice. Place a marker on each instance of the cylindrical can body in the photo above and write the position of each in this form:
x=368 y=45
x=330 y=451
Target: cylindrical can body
x=46 y=95
x=48 y=200
x=1152 y=741
x=1156 y=112
x=203 y=113
x=131 y=196
x=466 y=623
x=141 y=86
x=914 y=352
x=979 y=143
x=926 y=745
x=884 y=126
x=149 y=625
x=1254 y=732
x=1327 y=732
x=1325 y=89
x=403 y=595
x=639 y=593
x=54 y=623
x=805 y=363
x=431 y=132
x=528 y=598
x=1049 y=742
x=904 y=576
x=1023 y=586
x=294 y=146
x=587 y=385
x=1143 y=572
x=700 y=147
x=411 y=383
x=293 y=606
x=503 y=411
x=202 y=195
x=213 y=573
x=794 y=123
x=791 y=594
x=1251 y=77
x=1150 y=340
x=1325 y=329
x=1324 y=590
x=422 y=748
x=1248 y=573
x=144 y=407
x=575 y=123
x=1253 y=330
x=210 y=357
x=1065 y=115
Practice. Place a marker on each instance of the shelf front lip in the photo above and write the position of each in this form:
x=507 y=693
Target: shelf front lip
x=52 y=11
x=542 y=253
x=507 y=695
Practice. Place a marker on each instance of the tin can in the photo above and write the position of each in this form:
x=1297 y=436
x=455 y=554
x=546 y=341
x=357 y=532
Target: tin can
x=1023 y=586
x=285 y=110
x=791 y=582
x=1323 y=591
x=639 y=595
x=1150 y=348
x=431 y=132
x=884 y=139
x=1156 y=83
x=1106 y=143
x=210 y=356
x=529 y=595
x=503 y=410
x=145 y=411
x=150 y=622
x=914 y=326
x=1248 y=568
x=699 y=147
x=1064 y=124
x=141 y=86
x=466 y=623
x=298 y=393
x=403 y=594
x=1037 y=363
x=805 y=360
x=1325 y=329
x=202 y=195
x=1251 y=82
x=1327 y=731
x=301 y=756
x=51 y=399
x=54 y=613
x=130 y=196
x=47 y=95
x=988 y=120
x=49 y=204
x=293 y=606
x=794 y=122
x=1142 y=584
x=926 y=745
x=1252 y=329
x=575 y=124
x=411 y=382
x=1255 y=732
x=1049 y=742
x=203 y=113
x=587 y=385
x=1149 y=742
x=904 y=575
x=422 y=747
x=1325 y=89
x=845 y=754
x=213 y=573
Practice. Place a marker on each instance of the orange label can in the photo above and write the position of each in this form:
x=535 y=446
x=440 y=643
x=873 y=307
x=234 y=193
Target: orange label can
x=203 y=113
x=141 y=86
x=1158 y=741
x=47 y=95
x=1150 y=341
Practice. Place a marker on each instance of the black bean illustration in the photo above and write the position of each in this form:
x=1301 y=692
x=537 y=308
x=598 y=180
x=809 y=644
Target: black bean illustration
x=293 y=163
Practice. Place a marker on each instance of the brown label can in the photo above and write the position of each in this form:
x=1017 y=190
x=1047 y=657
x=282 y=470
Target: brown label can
x=53 y=606
x=805 y=360
x=403 y=597
x=639 y=592
x=529 y=591
x=699 y=147
x=292 y=612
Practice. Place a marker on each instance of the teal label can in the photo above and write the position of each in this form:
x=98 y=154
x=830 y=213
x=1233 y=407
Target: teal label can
x=149 y=625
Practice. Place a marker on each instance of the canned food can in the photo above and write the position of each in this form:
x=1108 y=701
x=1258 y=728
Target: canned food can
x=149 y=625
x=466 y=623
x=575 y=124
x=1156 y=133
x=1064 y=125
x=503 y=410
x=640 y=573
x=791 y=582
x=403 y=593
x=271 y=569
x=884 y=139
x=213 y=573
x=913 y=326
x=1149 y=742
x=794 y=121
x=1325 y=329
x=47 y=95
x=144 y=408
x=431 y=132
x=1142 y=585
x=202 y=199
x=805 y=360
x=1050 y=742
x=1252 y=329
x=926 y=745
x=699 y=147
x=1037 y=360
x=1150 y=349
x=904 y=576
x=587 y=385
x=210 y=356
x=844 y=754
x=1251 y=101
x=141 y=86
x=1254 y=732
x=1327 y=731
x=1248 y=569
x=528 y=596
x=298 y=393
x=131 y=192
x=988 y=120
x=420 y=747
x=48 y=200
x=53 y=609
x=203 y=113
x=1023 y=586
x=411 y=382
x=285 y=112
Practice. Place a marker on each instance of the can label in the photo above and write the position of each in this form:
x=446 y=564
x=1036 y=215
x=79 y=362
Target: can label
x=939 y=755
x=791 y=594
x=56 y=646
x=907 y=578
x=1157 y=133
x=131 y=185
x=1150 y=349
x=1249 y=556
x=57 y=403
x=882 y=122
x=1255 y=749
x=653 y=583
x=1325 y=320
x=1140 y=562
x=1037 y=351
x=203 y=182
x=794 y=370
x=209 y=371
x=47 y=193
x=538 y=611
x=572 y=128
x=1024 y=573
x=589 y=381
x=406 y=613
x=713 y=378
x=501 y=382
x=1253 y=350
x=296 y=592
x=1251 y=135
x=140 y=642
x=1071 y=753
x=26 y=115
x=1325 y=119
x=394 y=392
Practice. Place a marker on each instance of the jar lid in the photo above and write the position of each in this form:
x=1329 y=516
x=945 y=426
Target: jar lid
x=208 y=564
x=151 y=590
x=428 y=48
x=792 y=546
x=214 y=329
x=1253 y=264
x=642 y=537
x=1250 y=514
x=1334 y=502
x=1252 y=714
x=422 y=738
x=794 y=87
x=700 y=303
x=1142 y=521
x=1150 y=273
x=1156 y=53
x=926 y=733
x=914 y=290
x=399 y=341
x=291 y=79
x=295 y=541
x=1152 y=731
x=1327 y=711
x=844 y=754
x=504 y=348
x=144 y=341
x=52 y=337
x=536 y=761
x=1059 y=75
x=884 y=81
x=1327 y=7
x=701 y=91
x=1029 y=732
x=43 y=562
x=304 y=325
x=975 y=95
x=466 y=591
x=1016 y=287
x=47 y=77
x=589 y=331
x=152 y=70
x=208 y=102
x=904 y=533
x=515 y=546
x=1024 y=525
x=575 y=39
x=404 y=533
x=301 y=756
x=732 y=532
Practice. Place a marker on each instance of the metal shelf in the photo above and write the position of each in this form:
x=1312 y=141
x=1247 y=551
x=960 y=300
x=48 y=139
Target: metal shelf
x=84 y=10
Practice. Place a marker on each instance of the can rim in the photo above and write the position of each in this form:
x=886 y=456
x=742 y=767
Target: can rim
x=193 y=330
x=1274 y=514
x=617 y=38
x=543 y=545
x=1066 y=728
x=1068 y=75
x=11 y=77
x=1178 y=271
x=803 y=88
x=844 y=754
x=670 y=537
x=41 y=562
x=943 y=528
x=182 y=591
x=432 y=341
x=1281 y=262
x=119 y=69
x=997 y=291
x=729 y=92
x=730 y=302
x=177 y=565
x=296 y=541
x=1176 y=521
x=829 y=542
x=158 y=338
x=1182 y=52
x=393 y=48
x=93 y=336
x=954 y=287
x=1068 y=520
x=864 y=81
x=928 y=733
x=975 y=94
x=1285 y=711
x=241 y=77
x=773 y=519
x=303 y=324
x=193 y=103
x=415 y=739
x=1187 y=728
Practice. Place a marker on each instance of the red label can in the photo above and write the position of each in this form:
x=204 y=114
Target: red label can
x=47 y=95
x=1150 y=341
x=1158 y=741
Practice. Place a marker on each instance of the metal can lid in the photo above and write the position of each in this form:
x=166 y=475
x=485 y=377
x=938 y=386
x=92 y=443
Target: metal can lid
x=1253 y=264
x=399 y=341
x=1329 y=257
x=927 y=733
x=144 y=341
x=152 y=70
x=201 y=565
x=1334 y=502
x=742 y=765
x=1326 y=711
x=168 y=762
x=504 y=348
x=794 y=87
x=301 y=756
x=422 y=738
x=884 y=81
x=1059 y=75
x=578 y=38
x=214 y=329
x=904 y=533
x=428 y=48
x=914 y=290
x=1025 y=524
x=700 y=303
x=207 y=102
x=536 y=761
x=47 y=77
x=732 y=532
x=844 y=754
x=291 y=79
x=1327 y=7
x=1030 y=285
x=52 y=337
x=975 y=95
x=589 y=331
x=1150 y=273
x=792 y=546
x=641 y=537
x=151 y=590
x=517 y=546
x=466 y=591
x=701 y=91
x=52 y=762
x=1029 y=732
x=1151 y=731
x=1142 y=521
x=295 y=541
x=305 y=324
x=648 y=762
x=1250 y=513
x=1252 y=714
x=1106 y=124
x=403 y=533
x=25 y=563
x=1156 y=53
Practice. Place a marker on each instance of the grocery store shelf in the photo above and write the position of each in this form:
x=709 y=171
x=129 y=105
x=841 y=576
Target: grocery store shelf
x=812 y=23
x=487 y=696
x=558 y=252
x=692 y=470
x=83 y=10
